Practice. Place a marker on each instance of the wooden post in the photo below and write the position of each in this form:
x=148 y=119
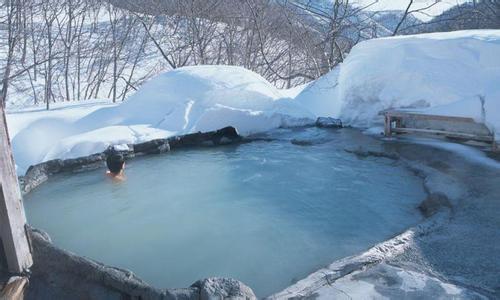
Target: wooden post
x=387 y=125
x=14 y=289
x=12 y=217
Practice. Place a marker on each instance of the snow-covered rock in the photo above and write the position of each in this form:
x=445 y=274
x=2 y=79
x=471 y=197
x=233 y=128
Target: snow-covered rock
x=328 y=122
x=223 y=288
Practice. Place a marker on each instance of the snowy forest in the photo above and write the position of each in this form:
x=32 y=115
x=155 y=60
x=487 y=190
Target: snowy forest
x=71 y=50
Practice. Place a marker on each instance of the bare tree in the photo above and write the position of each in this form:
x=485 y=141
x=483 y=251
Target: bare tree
x=12 y=22
x=80 y=49
x=410 y=10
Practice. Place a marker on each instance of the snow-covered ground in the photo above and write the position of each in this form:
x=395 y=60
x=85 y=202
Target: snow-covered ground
x=444 y=73
x=34 y=130
x=390 y=282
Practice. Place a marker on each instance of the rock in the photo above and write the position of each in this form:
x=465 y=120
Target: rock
x=215 y=288
x=191 y=293
x=226 y=135
x=301 y=142
x=39 y=173
x=152 y=147
x=89 y=162
x=433 y=203
x=35 y=176
x=360 y=152
x=59 y=274
x=327 y=122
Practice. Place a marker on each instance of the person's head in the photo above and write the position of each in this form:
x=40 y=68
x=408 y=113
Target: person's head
x=114 y=161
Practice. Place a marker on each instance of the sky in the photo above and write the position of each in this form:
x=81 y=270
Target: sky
x=402 y=4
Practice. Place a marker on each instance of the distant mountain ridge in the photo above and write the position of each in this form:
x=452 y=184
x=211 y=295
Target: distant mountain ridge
x=391 y=18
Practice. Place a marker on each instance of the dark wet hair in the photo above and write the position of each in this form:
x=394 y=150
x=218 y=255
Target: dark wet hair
x=114 y=160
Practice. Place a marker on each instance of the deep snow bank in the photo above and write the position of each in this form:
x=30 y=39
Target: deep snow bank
x=418 y=71
x=185 y=100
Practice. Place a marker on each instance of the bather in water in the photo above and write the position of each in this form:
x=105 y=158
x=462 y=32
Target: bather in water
x=116 y=165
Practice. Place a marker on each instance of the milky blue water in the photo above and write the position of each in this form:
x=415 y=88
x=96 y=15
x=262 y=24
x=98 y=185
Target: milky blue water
x=267 y=213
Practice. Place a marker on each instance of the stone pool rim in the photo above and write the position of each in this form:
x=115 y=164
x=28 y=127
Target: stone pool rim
x=126 y=283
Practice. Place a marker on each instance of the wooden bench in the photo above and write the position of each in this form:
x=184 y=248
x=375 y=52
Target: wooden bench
x=463 y=128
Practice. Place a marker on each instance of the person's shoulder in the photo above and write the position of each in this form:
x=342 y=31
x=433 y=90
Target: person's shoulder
x=115 y=177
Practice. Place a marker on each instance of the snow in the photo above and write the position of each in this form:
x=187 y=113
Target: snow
x=473 y=108
x=294 y=91
x=443 y=73
x=435 y=8
x=180 y=101
x=389 y=282
x=99 y=139
x=321 y=95
x=18 y=119
x=469 y=153
x=417 y=72
x=440 y=73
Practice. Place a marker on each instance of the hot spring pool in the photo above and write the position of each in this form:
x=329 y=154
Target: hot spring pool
x=267 y=213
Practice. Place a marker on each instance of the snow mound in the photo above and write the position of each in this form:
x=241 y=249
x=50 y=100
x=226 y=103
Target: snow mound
x=416 y=71
x=321 y=96
x=204 y=98
x=184 y=100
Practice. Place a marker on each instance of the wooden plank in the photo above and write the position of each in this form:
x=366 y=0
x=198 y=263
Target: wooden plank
x=460 y=135
x=12 y=215
x=415 y=115
x=14 y=288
